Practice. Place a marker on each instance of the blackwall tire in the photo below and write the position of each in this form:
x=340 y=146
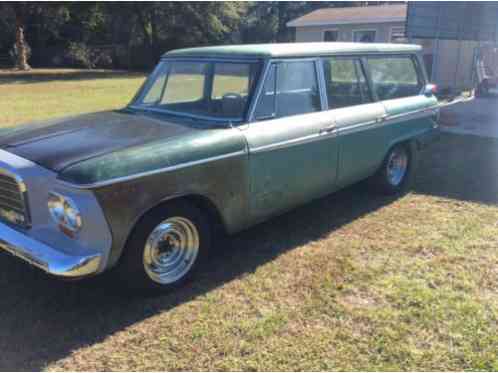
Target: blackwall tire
x=397 y=171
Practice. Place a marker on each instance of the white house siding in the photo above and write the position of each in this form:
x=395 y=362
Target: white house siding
x=315 y=33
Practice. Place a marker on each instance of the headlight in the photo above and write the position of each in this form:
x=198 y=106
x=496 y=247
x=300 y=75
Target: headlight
x=65 y=213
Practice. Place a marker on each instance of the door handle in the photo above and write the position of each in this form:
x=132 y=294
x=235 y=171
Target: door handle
x=328 y=129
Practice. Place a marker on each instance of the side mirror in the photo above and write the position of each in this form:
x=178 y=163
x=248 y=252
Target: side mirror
x=430 y=90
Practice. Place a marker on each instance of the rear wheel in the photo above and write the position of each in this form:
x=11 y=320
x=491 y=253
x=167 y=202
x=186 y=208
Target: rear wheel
x=397 y=170
x=165 y=248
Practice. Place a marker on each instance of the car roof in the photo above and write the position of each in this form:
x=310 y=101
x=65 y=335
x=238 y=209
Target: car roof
x=292 y=50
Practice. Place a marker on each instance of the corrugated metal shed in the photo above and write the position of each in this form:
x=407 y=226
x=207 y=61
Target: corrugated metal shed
x=462 y=20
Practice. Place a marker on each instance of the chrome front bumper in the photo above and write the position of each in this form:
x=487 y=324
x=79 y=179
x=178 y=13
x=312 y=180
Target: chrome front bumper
x=47 y=258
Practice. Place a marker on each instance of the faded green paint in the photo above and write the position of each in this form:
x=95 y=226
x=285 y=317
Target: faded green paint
x=223 y=184
x=246 y=173
x=191 y=146
x=286 y=175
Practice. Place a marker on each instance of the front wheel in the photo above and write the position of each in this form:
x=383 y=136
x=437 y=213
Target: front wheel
x=396 y=172
x=165 y=248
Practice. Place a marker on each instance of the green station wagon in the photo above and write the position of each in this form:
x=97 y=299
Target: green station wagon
x=216 y=138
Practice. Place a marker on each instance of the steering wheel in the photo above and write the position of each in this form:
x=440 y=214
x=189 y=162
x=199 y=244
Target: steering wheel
x=231 y=95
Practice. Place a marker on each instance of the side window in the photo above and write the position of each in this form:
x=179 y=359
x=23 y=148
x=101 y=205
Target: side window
x=394 y=76
x=294 y=92
x=345 y=82
x=266 y=105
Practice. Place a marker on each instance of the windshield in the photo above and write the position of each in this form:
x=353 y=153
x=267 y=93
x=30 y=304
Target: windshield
x=220 y=90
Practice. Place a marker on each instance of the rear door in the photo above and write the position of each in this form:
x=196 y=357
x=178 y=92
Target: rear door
x=357 y=117
x=292 y=145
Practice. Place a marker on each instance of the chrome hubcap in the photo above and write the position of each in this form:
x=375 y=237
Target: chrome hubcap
x=397 y=165
x=171 y=250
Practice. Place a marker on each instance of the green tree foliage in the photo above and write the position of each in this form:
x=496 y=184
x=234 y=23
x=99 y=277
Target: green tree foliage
x=137 y=33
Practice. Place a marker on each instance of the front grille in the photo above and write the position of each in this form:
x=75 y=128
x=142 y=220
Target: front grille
x=13 y=200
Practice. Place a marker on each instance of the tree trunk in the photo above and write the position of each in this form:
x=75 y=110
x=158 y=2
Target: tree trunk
x=281 y=22
x=22 y=50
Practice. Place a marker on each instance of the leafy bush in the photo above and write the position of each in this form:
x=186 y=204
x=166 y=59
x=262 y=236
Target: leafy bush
x=82 y=55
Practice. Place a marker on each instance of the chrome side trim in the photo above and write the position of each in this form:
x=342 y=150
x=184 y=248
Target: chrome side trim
x=359 y=126
x=152 y=172
x=294 y=142
x=429 y=111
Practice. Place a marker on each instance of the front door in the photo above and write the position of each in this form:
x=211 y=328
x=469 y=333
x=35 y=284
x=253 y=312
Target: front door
x=293 y=150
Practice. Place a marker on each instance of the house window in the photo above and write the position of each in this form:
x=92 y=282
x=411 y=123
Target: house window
x=364 y=36
x=330 y=35
x=398 y=35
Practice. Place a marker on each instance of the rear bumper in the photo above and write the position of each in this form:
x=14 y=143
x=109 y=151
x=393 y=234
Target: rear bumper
x=47 y=258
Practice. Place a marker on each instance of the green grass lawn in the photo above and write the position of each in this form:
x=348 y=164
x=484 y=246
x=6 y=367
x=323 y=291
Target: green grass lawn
x=44 y=94
x=352 y=281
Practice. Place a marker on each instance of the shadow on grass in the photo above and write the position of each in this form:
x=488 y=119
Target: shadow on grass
x=462 y=168
x=43 y=76
x=43 y=320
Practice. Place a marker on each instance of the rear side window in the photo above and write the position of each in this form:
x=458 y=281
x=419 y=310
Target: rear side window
x=345 y=81
x=394 y=76
x=291 y=88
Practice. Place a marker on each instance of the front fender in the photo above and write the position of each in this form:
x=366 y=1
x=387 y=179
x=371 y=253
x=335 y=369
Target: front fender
x=212 y=164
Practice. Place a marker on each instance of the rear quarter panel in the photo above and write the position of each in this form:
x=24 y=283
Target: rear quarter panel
x=408 y=118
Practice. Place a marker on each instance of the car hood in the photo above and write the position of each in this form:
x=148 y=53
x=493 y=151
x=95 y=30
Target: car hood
x=61 y=143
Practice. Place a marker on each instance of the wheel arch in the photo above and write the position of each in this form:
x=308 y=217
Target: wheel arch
x=203 y=203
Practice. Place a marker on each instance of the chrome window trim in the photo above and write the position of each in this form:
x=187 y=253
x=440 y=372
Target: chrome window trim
x=275 y=61
x=322 y=84
x=24 y=194
x=259 y=88
x=151 y=172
